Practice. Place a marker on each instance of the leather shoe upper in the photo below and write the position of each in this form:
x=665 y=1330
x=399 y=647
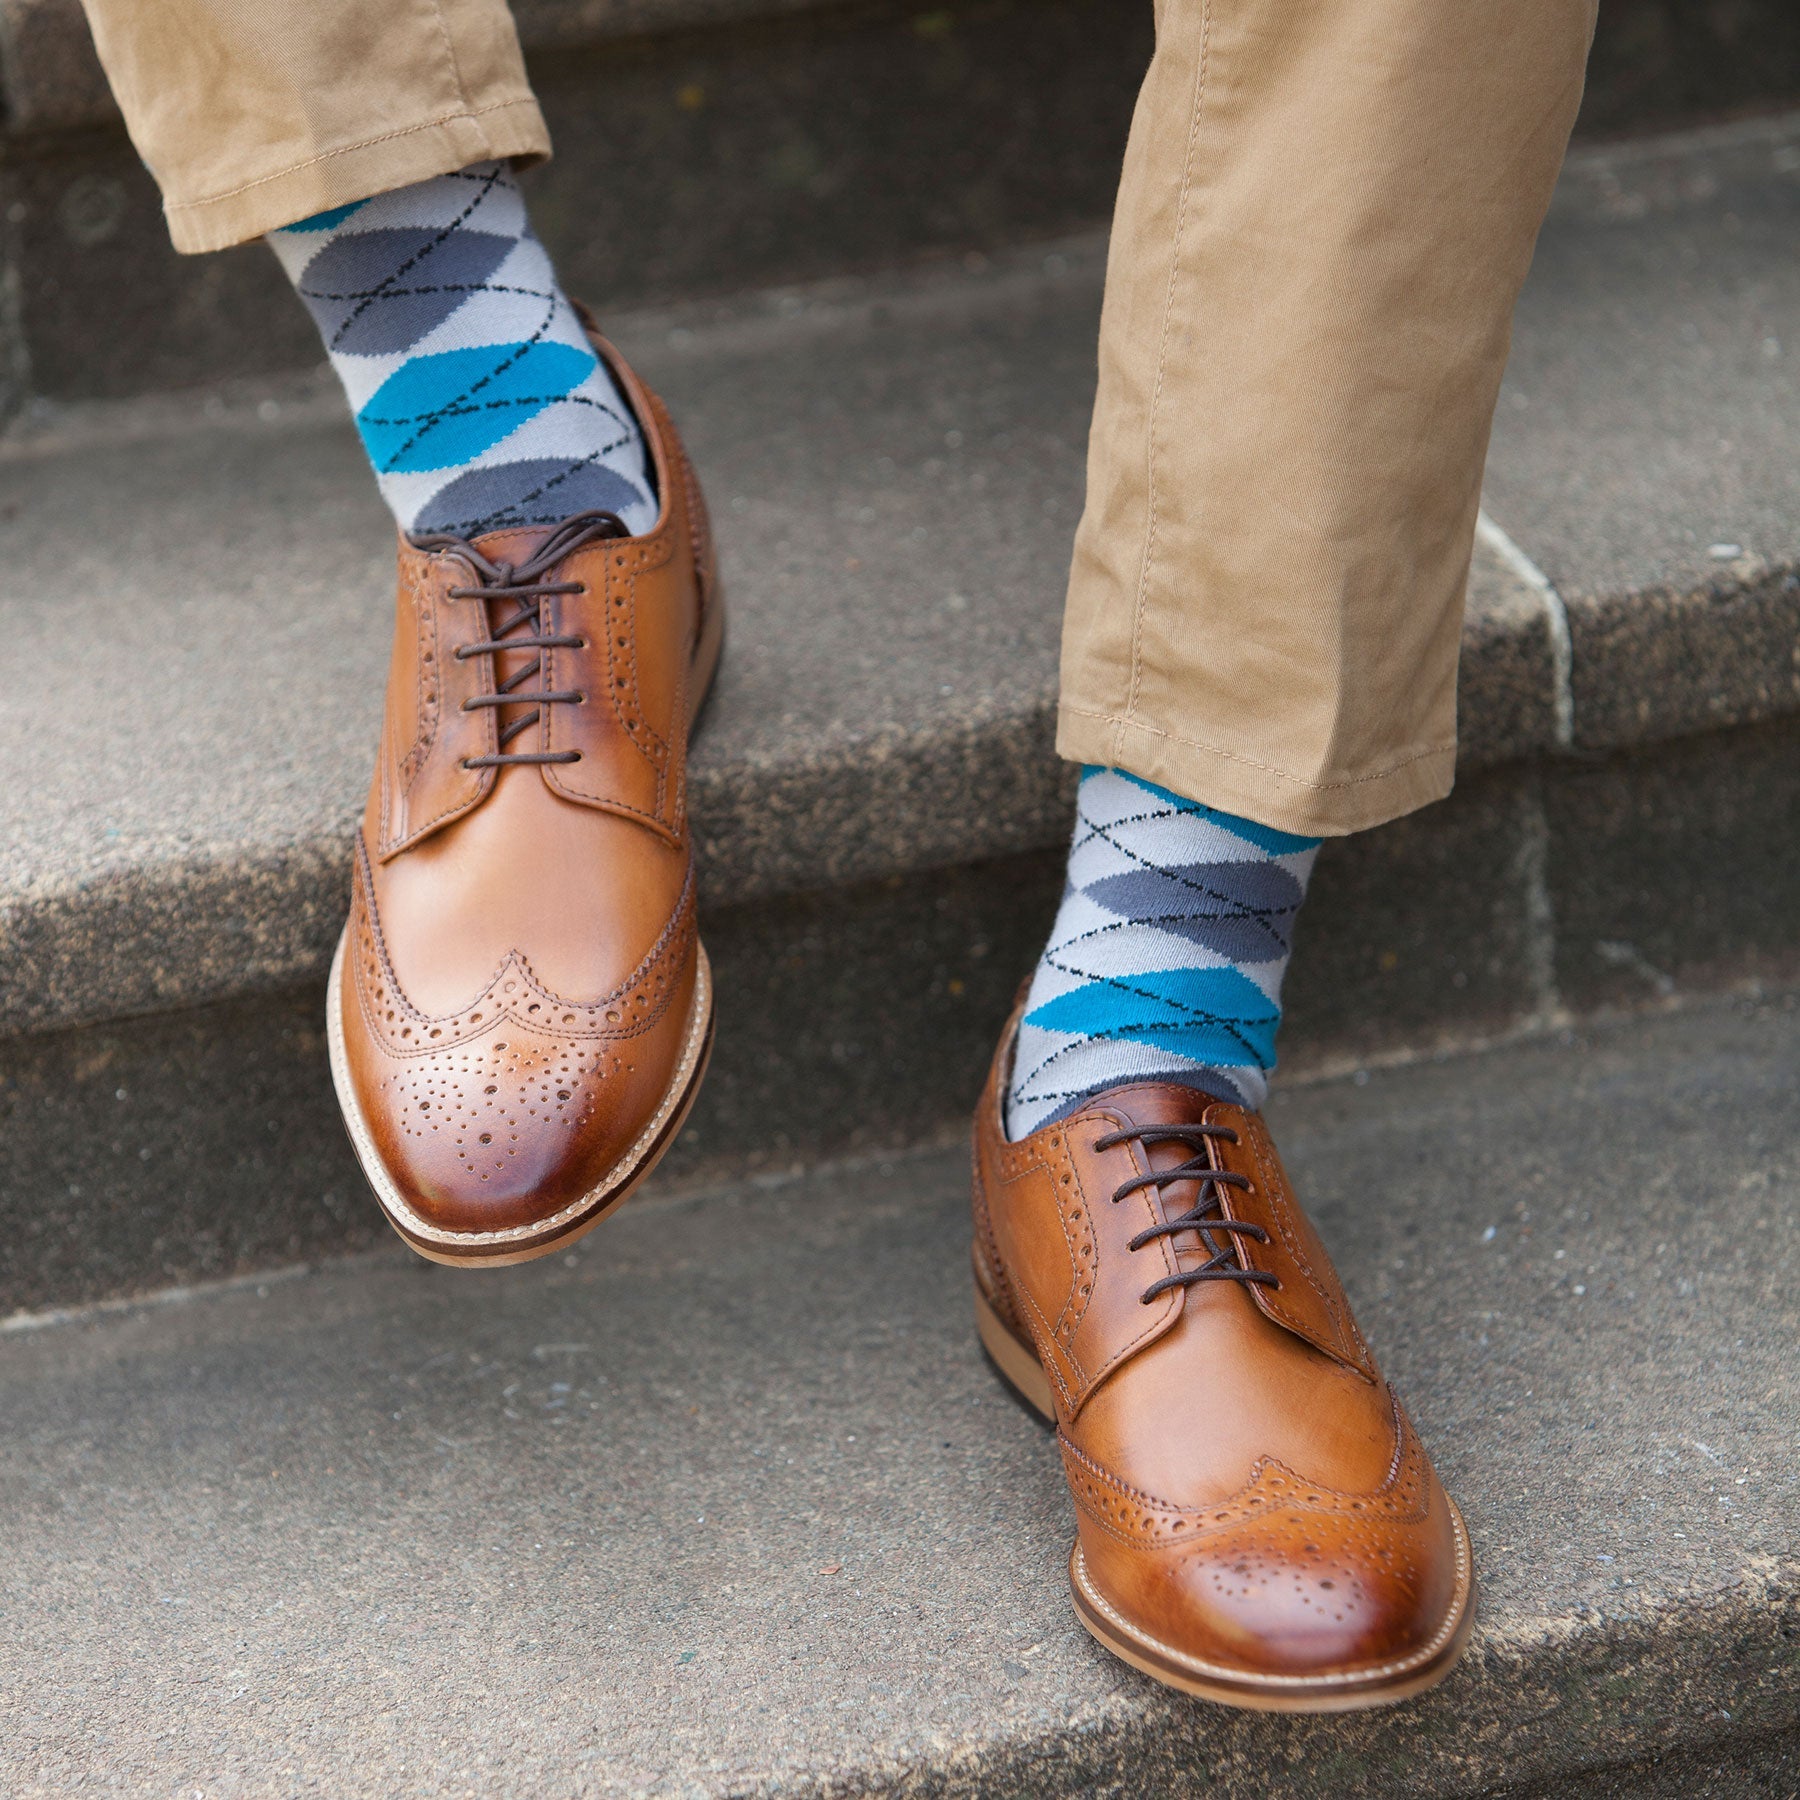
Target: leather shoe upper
x=521 y=963
x=1250 y=1494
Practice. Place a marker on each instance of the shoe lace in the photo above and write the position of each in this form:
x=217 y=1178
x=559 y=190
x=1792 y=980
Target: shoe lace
x=1205 y=1216
x=521 y=584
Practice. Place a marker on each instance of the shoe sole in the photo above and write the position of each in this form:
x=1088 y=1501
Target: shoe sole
x=525 y=1243
x=1017 y=1364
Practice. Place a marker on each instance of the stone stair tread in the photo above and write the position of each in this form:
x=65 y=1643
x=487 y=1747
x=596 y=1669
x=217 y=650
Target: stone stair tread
x=725 y=1501
x=895 y=467
x=1652 y=402
x=51 y=79
x=1650 y=68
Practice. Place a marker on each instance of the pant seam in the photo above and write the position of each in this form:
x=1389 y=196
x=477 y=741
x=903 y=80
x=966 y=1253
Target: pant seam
x=1162 y=363
x=385 y=137
x=1122 y=725
x=456 y=75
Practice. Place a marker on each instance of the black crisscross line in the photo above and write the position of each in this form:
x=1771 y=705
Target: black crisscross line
x=1205 y=1218
x=1134 y=1033
x=464 y=404
x=515 y=511
x=461 y=405
x=455 y=409
x=488 y=183
x=1135 y=1029
x=384 y=292
x=1131 y=1030
x=1260 y=915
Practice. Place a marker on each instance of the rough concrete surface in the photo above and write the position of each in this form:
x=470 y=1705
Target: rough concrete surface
x=896 y=469
x=1646 y=449
x=896 y=473
x=206 y=1142
x=1654 y=61
x=1678 y=871
x=846 y=134
x=1758 y=1768
x=726 y=1502
x=52 y=80
x=865 y=134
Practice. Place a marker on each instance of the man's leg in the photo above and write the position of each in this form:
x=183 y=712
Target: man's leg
x=368 y=143
x=1325 y=218
x=253 y=114
x=1323 y=225
x=520 y=1013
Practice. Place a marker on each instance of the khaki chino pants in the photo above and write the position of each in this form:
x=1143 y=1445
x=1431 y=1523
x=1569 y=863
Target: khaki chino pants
x=1327 y=210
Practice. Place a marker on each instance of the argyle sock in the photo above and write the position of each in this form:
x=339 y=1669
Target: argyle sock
x=1166 y=959
x=480 y=401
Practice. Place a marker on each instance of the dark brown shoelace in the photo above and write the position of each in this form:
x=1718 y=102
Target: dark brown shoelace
x=502 y=582
x=1205 y=1216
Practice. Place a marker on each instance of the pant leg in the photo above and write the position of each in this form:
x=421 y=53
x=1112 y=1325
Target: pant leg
x=1326 y=214
x=252 y=114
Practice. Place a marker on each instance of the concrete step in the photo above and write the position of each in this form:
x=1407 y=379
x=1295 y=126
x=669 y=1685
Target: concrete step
x=1655 y=62
x=896 y=469
x=707 y=146
x=777 y=149
x=726 y=1502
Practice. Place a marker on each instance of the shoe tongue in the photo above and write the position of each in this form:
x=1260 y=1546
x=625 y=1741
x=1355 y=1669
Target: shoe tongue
x=1165 y=1103
x=517 y=545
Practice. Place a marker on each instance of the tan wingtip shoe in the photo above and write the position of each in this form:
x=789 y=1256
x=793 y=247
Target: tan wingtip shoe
x=1257 y=1521
x=520 y=1011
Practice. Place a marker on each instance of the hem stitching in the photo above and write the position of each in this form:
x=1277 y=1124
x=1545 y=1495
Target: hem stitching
x=324 y=156
x=1122 y=725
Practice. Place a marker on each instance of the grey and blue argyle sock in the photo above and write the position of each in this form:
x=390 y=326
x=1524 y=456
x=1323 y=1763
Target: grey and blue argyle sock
x=479 y=399
x=1166 y=958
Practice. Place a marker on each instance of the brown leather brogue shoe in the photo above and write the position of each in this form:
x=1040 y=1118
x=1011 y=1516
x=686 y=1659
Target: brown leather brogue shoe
x=520 y=1009
x=1256 y=1519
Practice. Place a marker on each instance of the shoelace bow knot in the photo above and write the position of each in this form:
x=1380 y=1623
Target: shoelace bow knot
x=522 y=585
x=1204 y=1217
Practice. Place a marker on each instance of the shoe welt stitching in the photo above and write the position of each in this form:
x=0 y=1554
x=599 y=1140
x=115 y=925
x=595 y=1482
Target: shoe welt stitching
x=1349 y=1678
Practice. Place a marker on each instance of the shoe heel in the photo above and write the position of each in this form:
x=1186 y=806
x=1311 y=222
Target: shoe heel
x=1018 y=1367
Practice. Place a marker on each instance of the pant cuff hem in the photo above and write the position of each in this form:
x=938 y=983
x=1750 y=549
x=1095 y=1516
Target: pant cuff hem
x=512 y=129
x=1216 y=777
